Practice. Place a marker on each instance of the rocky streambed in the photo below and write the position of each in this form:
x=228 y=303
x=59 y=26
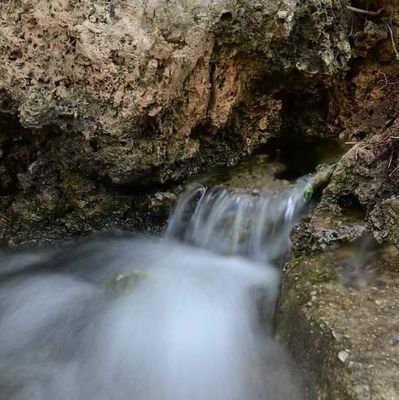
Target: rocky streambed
x=107 y=107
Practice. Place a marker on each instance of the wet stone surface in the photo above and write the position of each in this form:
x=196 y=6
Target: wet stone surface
x=346 y=300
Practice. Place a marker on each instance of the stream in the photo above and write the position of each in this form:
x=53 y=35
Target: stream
x=185 y=316
x=199 y=200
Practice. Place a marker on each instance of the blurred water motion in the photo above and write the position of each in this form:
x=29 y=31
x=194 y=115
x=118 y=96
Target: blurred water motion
x=152 y=319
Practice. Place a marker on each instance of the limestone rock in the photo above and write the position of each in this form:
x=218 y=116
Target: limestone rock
x=100 y=101
x=135 y=87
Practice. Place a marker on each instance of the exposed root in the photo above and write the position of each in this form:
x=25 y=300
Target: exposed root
x=385 y=82
x=392 y=40
x=366 y=12
x=388 y=143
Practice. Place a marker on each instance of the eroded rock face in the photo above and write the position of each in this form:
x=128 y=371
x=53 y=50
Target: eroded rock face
x=131 y=81
x=114 y=96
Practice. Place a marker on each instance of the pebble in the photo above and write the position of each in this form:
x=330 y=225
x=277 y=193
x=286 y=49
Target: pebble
x=282 y=14
x=343 y=355
x=362 y=389
x=395 y=339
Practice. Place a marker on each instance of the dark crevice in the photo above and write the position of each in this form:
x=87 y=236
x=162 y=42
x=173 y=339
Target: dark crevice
x=140 y=187
x=301 y=155
x=306 y=137
x=17 y=152
x=211 y=101
x=352 y=208
x=226 y=17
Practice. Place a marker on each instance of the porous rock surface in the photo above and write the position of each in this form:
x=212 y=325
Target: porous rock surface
x=132 y=82
x=341 y=285
x=101 y=99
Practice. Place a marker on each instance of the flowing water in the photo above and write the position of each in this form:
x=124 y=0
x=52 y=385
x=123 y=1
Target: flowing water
x=187 y=316
x=256 y=226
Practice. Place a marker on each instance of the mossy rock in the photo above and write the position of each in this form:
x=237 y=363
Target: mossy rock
x=336 y=332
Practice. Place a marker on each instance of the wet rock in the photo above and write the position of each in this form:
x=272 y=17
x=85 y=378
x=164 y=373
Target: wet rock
x=321 y=234
x=254 y=175
x=340 y=286
x=365 y=182
x=347 y=351
x=384 y=219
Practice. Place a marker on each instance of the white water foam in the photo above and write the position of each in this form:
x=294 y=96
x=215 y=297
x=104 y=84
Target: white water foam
x=152 y=319
x=256 y=226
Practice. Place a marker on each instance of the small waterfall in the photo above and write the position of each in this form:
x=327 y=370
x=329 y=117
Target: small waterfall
x=130 y=318
x=253 y=225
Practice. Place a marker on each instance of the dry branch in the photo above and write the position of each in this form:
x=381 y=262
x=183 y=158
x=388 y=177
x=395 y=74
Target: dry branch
x=365 y=12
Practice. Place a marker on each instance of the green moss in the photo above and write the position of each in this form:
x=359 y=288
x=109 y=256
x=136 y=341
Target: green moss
x=309 y=294
x=311 y=270
x=88 y=201
x=5 y=178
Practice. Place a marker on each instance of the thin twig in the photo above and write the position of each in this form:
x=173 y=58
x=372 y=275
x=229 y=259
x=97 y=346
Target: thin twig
x=366 y=12
x=352 y=24
x=388 y=83
x=392 y=39
x=390 y=160
x=396 y=168
x=385 y=81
